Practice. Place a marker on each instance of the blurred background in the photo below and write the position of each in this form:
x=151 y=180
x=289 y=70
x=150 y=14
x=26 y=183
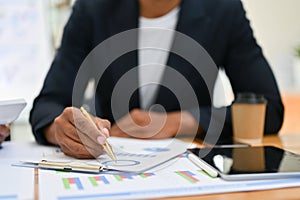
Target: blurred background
x=30 y=33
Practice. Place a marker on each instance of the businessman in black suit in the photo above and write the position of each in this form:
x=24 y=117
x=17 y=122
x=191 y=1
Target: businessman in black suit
x=219 y=26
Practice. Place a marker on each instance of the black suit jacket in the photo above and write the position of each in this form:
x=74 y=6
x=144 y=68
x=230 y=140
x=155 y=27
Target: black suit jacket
x=220 y=26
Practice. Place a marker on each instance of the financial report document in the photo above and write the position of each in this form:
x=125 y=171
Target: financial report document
x=176 y=177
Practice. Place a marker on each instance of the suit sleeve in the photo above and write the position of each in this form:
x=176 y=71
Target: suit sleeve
x=247 y=70
x=56 y=93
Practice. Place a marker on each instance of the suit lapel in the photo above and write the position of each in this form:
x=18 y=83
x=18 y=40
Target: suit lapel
x=192 y=22
x=124 y=16
x=191 y=12
x=123 y=19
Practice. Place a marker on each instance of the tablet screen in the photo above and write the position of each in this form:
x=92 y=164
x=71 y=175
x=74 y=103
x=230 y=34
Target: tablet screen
x=250 y=160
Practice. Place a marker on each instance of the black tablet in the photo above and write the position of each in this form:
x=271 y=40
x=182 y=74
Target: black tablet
x=250 y=163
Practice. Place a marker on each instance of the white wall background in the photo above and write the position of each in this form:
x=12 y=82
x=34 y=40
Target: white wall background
x=25 y=49
x=276 y=25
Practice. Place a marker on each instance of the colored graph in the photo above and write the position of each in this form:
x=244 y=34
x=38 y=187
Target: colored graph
x=121 y=177
x=68 y=182
x=78 y=183
x=96 y=179
x=187 y=175
x=146 y=175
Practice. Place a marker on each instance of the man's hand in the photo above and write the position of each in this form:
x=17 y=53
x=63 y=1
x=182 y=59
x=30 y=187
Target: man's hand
x=154 y=125
x=76 y=135
x=4 y=132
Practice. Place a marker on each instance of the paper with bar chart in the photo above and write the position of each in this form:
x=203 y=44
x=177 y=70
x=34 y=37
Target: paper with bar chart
x=133 y=155
x=180 y=172
x=177 y=177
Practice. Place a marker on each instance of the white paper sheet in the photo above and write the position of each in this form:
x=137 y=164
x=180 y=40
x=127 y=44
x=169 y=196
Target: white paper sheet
x=15 y=183
x=133 y=155
x=25 y=49
x=10 y=110
x=178 y=177
x=16 y=151
x=18 y=182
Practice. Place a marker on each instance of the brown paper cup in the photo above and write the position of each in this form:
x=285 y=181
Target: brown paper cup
x=248 y=120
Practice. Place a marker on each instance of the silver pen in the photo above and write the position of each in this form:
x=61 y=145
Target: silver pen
x=65 y=166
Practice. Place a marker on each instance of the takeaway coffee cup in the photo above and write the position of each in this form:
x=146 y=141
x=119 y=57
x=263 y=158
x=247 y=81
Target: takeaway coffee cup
x=248 y=118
